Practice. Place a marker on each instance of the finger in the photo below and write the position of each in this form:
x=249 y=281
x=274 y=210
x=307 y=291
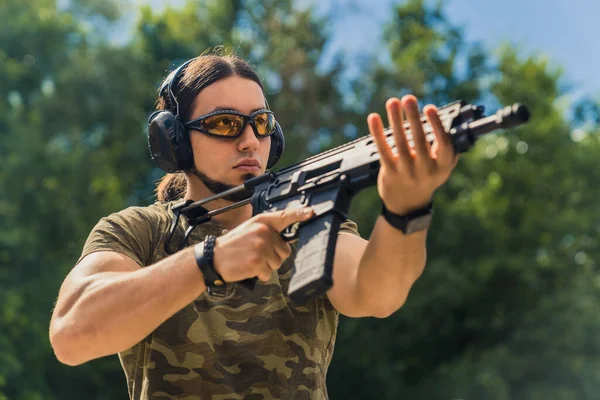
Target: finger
x=277 y=253
x=442 y=137
x=444 y=152
x=279 y=220
x=273 y=261
x=394 y=112
x=265 y=273
x=386 y=156
x=270 y=249
x=281 y=248
x=421 y=146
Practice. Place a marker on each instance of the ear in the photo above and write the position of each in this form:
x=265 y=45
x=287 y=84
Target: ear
x=277 y=146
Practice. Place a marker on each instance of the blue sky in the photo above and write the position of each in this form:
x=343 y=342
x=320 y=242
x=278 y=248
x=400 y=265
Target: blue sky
x=566 y=32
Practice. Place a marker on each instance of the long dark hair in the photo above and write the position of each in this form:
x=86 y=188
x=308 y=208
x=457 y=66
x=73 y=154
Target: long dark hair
x=198 y=74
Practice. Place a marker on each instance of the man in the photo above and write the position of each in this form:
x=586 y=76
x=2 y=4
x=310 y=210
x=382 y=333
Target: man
x=175 y=339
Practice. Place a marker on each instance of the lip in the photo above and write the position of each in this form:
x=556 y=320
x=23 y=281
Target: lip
x=250 y=164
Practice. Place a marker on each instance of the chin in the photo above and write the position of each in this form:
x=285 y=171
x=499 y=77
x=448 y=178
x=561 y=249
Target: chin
x=249 y=175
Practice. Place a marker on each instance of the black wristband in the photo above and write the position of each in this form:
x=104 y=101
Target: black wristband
x=204 y=253
x=414 y=221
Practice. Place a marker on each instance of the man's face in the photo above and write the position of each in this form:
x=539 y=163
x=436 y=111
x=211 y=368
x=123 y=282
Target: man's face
x=229 y=161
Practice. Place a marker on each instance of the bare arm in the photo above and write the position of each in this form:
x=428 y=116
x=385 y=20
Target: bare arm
x=374 y=278
x=108 y=303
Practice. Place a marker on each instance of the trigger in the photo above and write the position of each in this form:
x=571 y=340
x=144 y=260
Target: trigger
x=291 y=232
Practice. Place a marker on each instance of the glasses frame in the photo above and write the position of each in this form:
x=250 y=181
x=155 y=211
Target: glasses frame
x=195 y=124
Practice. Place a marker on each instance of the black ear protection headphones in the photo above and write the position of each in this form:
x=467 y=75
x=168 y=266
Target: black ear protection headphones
x=168 y=139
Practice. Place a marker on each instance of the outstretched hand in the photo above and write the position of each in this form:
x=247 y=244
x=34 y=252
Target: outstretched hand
x=408 y=179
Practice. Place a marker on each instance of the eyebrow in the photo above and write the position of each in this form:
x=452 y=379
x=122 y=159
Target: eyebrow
x=233 y=108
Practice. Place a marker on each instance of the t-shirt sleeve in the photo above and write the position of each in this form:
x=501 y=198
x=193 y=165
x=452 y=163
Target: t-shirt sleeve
x=350 y=227
x=128 y=232
x=346 y=227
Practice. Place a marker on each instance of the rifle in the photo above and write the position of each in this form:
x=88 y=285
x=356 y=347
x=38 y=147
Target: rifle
x=328 y=181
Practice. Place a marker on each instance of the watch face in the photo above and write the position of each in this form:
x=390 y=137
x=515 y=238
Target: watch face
x=419 y=223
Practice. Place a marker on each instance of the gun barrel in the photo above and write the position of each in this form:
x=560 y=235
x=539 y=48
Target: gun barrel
x=516 y=114
x=505 y=118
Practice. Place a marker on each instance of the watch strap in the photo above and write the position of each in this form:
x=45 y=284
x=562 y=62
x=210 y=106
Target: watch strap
x=205 y=253
x=414 y=221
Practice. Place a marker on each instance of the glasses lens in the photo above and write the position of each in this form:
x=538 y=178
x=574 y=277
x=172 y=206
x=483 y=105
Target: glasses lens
x=223 y=124
x=265 y=123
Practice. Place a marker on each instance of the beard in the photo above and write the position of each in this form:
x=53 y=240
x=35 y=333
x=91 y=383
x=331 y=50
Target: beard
x=217 y=187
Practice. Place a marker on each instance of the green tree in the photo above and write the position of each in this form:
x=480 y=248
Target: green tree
x=74 y=147
x=73 y=114
x=505 y=308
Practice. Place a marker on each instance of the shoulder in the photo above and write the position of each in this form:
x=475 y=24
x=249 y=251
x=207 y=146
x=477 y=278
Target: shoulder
x=156 y=210
x=157 y=213
x=135 y=231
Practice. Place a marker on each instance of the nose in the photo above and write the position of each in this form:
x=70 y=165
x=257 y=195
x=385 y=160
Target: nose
x=248 y=142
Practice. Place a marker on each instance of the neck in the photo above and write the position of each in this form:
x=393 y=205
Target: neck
x=197 y=190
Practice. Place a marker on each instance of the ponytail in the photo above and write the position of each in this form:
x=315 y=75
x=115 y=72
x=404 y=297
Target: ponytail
x=171 y=187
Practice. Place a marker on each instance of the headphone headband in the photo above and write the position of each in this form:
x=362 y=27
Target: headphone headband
x=172 y=81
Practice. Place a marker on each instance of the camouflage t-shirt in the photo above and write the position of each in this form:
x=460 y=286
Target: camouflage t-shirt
x=232 y=343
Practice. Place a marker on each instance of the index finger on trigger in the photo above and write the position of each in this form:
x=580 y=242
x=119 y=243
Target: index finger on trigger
x=279 y=220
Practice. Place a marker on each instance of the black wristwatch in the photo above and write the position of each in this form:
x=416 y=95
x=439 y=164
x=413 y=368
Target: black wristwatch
x=204 y=253
x=414 y=221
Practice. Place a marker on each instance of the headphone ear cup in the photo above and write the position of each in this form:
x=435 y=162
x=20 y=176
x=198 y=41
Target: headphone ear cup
x=169 y=143
x=277 y=146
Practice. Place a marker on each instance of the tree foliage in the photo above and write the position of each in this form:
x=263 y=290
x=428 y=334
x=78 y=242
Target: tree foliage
x=505 y=307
